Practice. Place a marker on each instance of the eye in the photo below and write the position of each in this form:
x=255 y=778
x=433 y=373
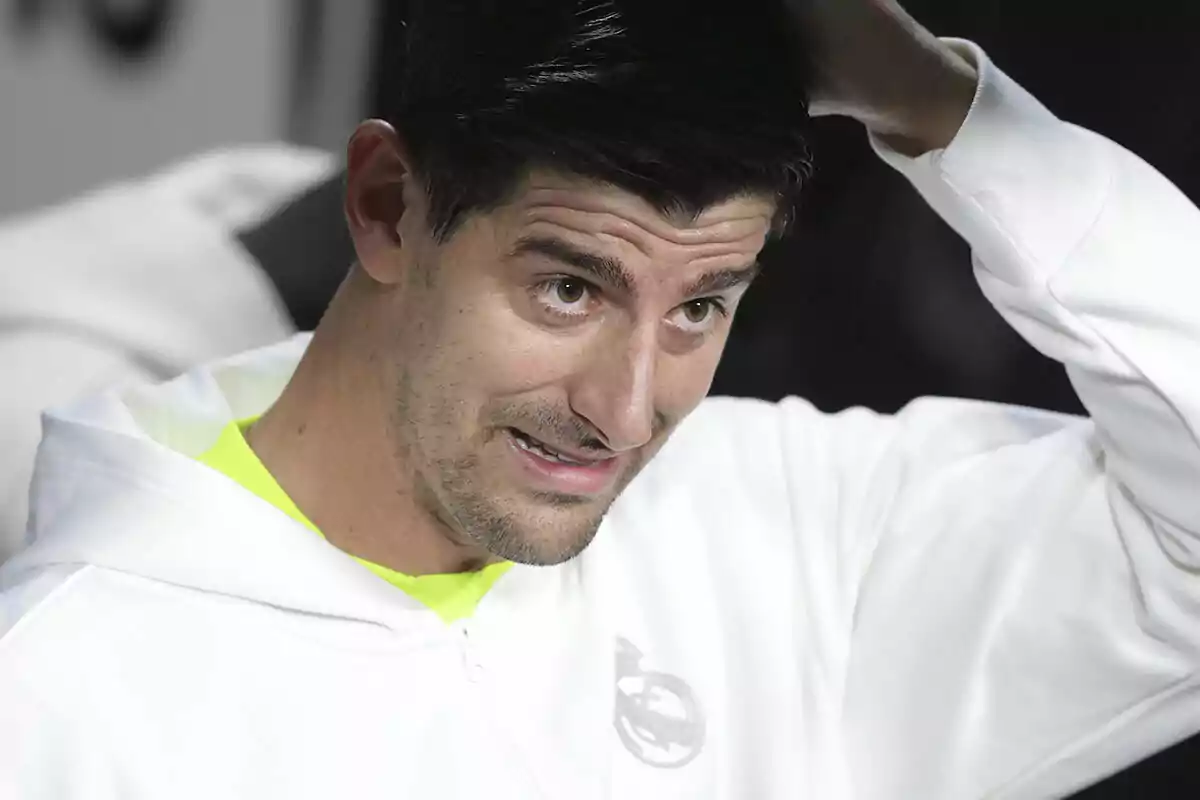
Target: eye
x=698 y=316
x=569 y=291
x=565 y=296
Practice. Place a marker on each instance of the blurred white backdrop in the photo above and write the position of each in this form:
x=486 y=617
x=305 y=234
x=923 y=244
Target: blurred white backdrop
x=74 y=115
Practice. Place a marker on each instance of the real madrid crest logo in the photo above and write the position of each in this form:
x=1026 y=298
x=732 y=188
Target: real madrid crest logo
x=657 y=716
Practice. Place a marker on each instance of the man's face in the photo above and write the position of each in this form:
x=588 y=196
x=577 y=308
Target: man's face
x=544 y=352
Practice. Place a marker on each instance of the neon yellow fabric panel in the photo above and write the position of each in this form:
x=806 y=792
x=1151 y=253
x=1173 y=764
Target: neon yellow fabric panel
x=451 y=597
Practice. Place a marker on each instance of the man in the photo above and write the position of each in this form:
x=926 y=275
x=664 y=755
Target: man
x=391 y=562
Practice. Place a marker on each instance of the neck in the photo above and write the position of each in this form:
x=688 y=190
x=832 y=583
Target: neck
x=325 y=442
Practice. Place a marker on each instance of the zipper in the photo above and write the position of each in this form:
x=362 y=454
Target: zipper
x=471 y=662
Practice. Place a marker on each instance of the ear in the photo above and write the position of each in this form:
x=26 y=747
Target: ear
x=378 y=177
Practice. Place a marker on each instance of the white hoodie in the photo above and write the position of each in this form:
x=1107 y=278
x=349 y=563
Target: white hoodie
x=961 y=601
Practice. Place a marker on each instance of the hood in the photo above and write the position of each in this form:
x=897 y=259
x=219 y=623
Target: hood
x=117 y=486
x=147 y=266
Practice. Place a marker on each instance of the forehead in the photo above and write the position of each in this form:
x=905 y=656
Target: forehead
x=554 y=202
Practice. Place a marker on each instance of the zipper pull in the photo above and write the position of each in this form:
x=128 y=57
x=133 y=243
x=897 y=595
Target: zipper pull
x=472 y=665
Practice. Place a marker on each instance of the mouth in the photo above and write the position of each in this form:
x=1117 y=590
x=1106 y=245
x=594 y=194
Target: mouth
x=554 y=454
x=563 y=471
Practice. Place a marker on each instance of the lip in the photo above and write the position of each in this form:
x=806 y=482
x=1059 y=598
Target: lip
x=592 y=478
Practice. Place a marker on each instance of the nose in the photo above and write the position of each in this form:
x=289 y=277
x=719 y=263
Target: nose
x=615 y=390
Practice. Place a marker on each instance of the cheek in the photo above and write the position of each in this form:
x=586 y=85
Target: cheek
x=515 y=355
x=437 y=357
x=683 y=381
x=475 y=347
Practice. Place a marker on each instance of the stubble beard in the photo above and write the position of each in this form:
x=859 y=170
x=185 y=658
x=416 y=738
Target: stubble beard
x=533 y=528
x=471 y=513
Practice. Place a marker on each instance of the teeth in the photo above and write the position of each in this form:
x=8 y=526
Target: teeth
x=544 y=453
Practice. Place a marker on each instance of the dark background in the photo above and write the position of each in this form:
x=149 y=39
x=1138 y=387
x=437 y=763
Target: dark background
x=871 y=300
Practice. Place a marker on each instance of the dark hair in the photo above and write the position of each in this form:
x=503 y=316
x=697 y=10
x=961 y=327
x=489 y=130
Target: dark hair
x=684 y=103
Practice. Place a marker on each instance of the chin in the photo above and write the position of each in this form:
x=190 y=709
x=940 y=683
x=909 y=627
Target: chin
x=547 y=537
x=542 y=553
x=513 y=518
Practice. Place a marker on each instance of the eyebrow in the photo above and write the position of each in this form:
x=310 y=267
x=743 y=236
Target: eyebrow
x=605 y=269
x=722 y=279
x=612 y=272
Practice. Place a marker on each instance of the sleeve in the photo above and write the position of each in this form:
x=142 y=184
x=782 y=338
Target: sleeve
x=1024 y=588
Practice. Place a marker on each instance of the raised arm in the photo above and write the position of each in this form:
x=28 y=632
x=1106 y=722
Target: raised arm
x=1026 y=587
